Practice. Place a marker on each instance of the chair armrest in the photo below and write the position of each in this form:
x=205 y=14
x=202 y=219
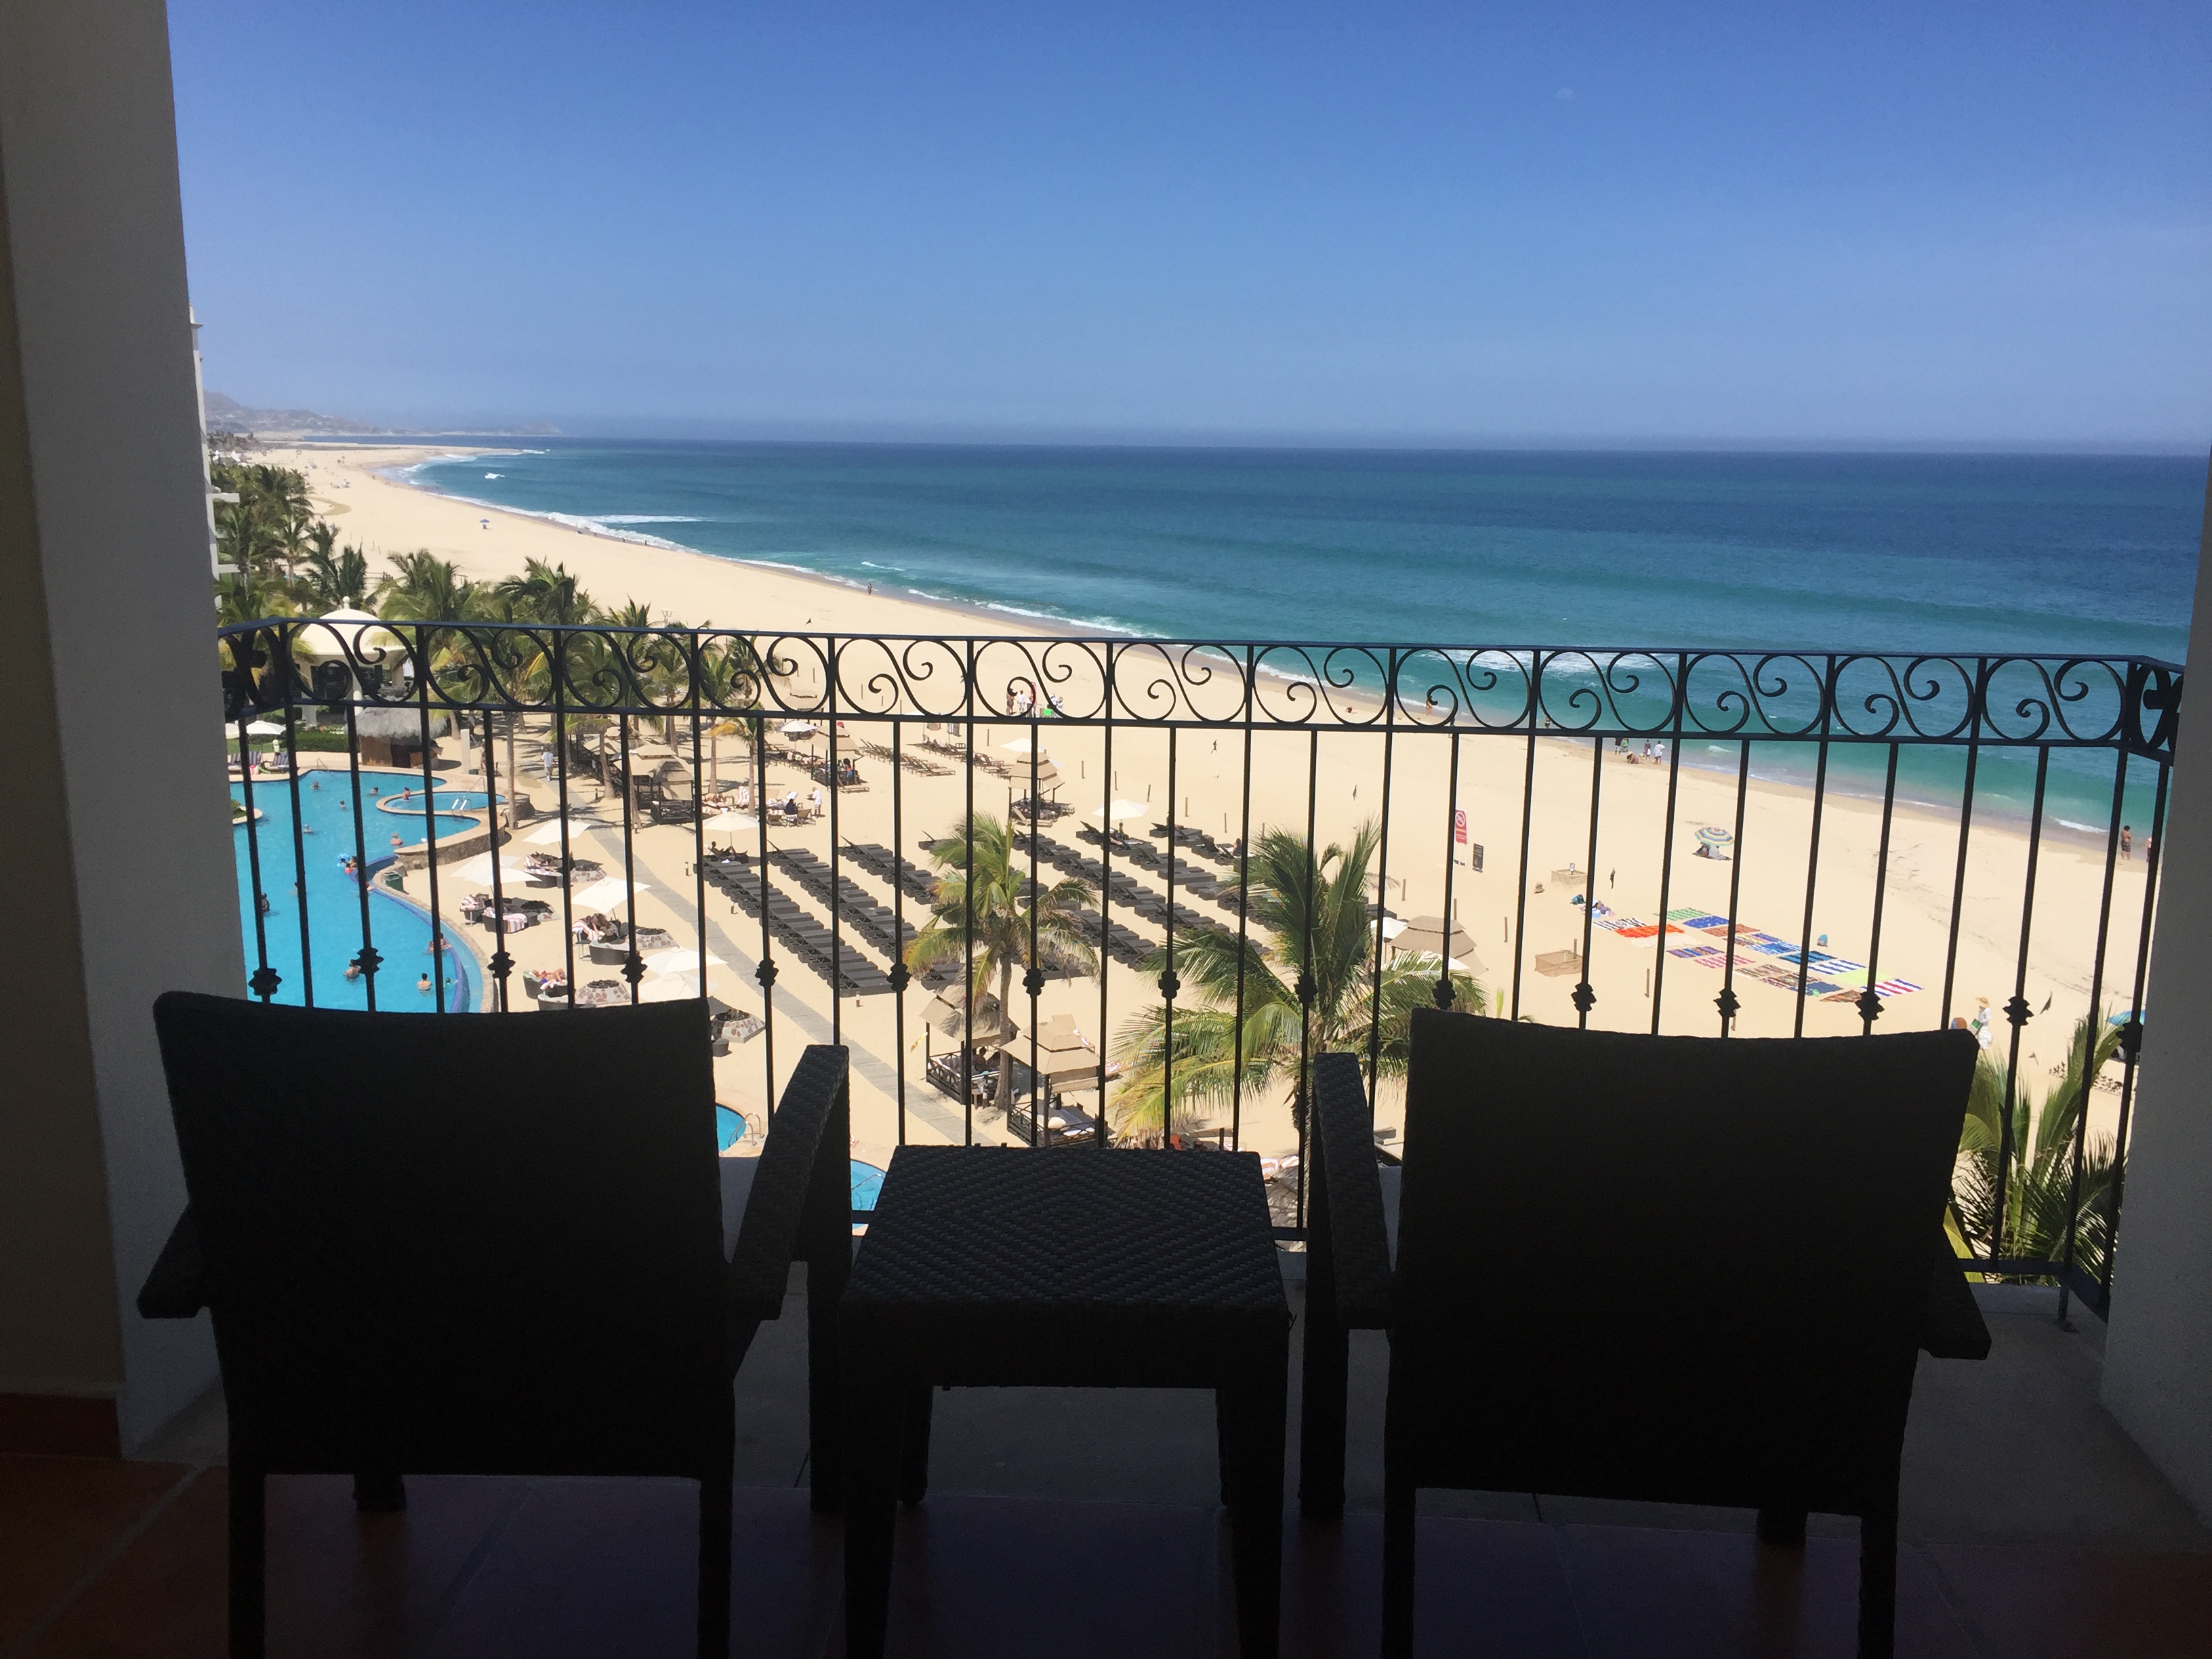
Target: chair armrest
x=771 y=1235
x=1951 y=1325
x=1349 y=1210
x=177 y=1288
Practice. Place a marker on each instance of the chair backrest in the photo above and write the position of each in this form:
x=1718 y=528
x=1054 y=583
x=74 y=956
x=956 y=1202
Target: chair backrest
x=1668 y=1267
x=458 y=1243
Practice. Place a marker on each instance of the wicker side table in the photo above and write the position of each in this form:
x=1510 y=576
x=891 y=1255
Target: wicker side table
x=1001 y=1266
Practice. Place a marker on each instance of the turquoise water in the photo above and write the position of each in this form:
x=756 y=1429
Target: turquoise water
x=1897 y=553
x=867 y=1180
x=400 y=932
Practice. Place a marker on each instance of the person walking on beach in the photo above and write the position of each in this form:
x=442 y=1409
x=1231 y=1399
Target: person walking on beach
x=2127 y=844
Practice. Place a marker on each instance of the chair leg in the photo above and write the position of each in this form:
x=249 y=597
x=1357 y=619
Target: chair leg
x=873 y=1408
x=379 y=1491
x=1252 y=1416
x=714 y=1499
x=914 y=1445
x=1878 y=1584
x=248 y=1563
x=1785 y=1528
x=1321 y=1416
x=1397 y=1564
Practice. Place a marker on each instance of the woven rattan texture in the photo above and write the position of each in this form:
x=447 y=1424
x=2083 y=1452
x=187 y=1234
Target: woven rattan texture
x=1359 y=1244
x=761 y=1264
x=1077 y=1228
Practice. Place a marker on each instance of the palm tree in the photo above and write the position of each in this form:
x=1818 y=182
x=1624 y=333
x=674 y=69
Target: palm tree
x=547 y=595
x=330 y=581
x=2039 y=1197
x=423 y=587
x=980 y=866
x=1317 y=909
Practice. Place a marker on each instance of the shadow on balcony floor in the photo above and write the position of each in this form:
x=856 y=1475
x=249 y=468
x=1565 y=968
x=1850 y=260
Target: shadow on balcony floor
x=1080 y=1523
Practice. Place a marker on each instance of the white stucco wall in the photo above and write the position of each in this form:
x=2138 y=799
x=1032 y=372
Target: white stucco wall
x=2158 y=1355
x=87 y=139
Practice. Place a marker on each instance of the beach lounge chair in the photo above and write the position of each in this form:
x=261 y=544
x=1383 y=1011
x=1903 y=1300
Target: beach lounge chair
x=1760 y=1354
x=542 y=1283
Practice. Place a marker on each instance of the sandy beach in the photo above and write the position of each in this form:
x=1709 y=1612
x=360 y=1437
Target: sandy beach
x=1337 y=776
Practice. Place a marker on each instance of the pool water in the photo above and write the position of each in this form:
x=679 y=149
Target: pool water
x=398 y=928
x=395 y=799
x=867 y=1179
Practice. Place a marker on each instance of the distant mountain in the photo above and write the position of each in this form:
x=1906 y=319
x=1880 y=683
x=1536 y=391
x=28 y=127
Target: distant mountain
x=227 y=414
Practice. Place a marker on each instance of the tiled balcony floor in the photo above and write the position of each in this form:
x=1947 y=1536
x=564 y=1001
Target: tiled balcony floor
x=1077 y=1524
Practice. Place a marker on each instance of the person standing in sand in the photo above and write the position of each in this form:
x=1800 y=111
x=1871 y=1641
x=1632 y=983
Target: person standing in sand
x=2127 y=844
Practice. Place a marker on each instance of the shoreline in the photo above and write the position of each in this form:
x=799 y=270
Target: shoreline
x=984 y=621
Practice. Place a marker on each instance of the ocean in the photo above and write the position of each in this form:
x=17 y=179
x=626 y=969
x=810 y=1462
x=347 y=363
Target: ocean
x=1933 y=554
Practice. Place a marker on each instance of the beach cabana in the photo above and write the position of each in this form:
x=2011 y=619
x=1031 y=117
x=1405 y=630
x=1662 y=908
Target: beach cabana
x=1431 y=936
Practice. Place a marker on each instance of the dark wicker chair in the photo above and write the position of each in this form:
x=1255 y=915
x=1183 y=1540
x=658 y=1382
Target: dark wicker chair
x=1665 y=1268
x=486 y=1246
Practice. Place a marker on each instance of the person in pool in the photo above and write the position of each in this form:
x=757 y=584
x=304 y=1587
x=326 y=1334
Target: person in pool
x=423 y=982
x=353 y=969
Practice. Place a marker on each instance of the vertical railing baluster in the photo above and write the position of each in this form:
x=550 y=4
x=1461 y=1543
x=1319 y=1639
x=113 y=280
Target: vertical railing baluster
x=502 y=960
x=1306 y=986
x=2131 y=1034
x=265 y=979
x=2017 y=1010
x=299 y=815
x=430 y=819
x=696 y=663
x=1442 y=996
x=368 y=960
x=1869 y=1003
x=1521 y=897
x=1243 y=913
x=767 y=971
x=1965 y=832
x=1585 y=995
x=1812 y=884
x=1169 y=984
x=1105 y=886
x=899 y=972
x=557 y=660
x=837 y=908
x=968 y=923
x=1667 y=836
x=1726 y=1002
x=2090 y=1070
x=1383 y=886
x=1034 y=979
x=633 y=960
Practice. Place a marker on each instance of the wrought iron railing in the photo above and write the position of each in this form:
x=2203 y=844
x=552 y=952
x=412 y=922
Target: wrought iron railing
x=1977 y=759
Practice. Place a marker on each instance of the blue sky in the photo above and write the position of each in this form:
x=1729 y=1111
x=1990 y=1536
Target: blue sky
x=1946 y=222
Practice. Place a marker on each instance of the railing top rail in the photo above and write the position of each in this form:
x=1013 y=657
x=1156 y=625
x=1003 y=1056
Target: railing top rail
x=2004 y=698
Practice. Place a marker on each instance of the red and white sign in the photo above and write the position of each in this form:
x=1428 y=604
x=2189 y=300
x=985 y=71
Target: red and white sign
x=1459 y=825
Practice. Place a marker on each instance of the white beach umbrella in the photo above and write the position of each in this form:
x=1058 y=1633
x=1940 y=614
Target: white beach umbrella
x=600 y=895
x=727 y=823
x=1430 y=935
x=256 y=729
x=476 y=872
x=798 y=729
x=678 y=960
x=1022 y=746
x=548 y=834
x=1117 y=811
x=670 y=987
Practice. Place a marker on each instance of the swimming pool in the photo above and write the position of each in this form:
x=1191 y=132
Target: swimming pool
x=867 y=1179
x=405 y=801
x=397 y=926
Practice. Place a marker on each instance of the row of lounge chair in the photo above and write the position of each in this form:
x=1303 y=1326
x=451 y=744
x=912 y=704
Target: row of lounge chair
x=846 y=971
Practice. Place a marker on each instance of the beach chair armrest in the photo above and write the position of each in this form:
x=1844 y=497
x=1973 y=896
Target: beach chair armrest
x=1951 y=1325
x=1349 y=1210
x=177 y=1288
x=791 y=1191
